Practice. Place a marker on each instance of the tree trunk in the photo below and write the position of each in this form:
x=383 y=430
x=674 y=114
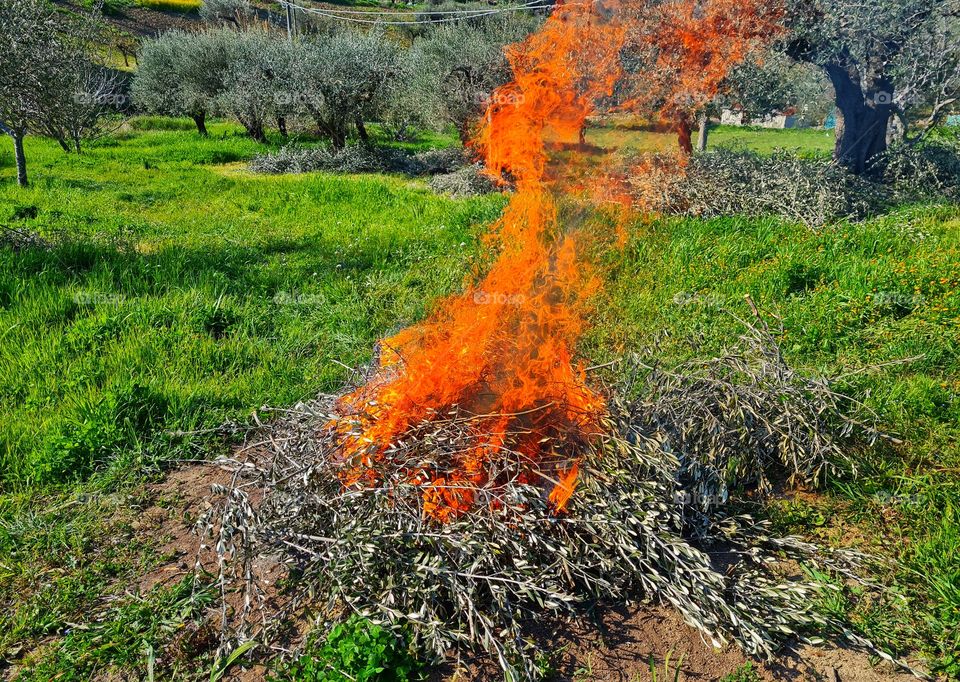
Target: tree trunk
x=282 y=126
x=201 y=120
x=685 y=134
x=338 y=138
x=362 y=131
x=463 y=131
x=703 y=132
x=255 y=130
x=896 y=131
x=21 y=159
x=865 y=113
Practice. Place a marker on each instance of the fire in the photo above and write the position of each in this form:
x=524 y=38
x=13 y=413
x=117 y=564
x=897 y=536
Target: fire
x=690 y=47
x=502 y=352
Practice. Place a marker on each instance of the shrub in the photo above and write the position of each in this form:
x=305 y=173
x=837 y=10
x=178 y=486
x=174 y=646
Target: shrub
x=924 y=171
x=351 y=159
x=811 y=191
x=358 y=158
x=355 y=650
x=465 y=182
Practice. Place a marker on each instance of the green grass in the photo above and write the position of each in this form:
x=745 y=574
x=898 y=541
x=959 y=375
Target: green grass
x=849 y=297
x=630 y=136
x=183 y=291
x=128 y=636
x=189 y=292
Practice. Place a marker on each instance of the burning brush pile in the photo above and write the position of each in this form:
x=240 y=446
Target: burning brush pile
x=466 y=554
x=474 y=481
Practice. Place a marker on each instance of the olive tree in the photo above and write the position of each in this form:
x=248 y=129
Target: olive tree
x=873 y=51
x=344 y=79
x=769 y=82
x=87 y=94
x=183 y=74
x=48 y=83
x=460 y=65
x=254 y=79
x=927 y=76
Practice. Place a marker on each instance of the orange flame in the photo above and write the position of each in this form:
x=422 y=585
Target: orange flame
x=502 y=351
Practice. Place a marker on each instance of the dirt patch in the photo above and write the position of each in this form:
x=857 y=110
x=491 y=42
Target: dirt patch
x=176 y=502
x=652 y=643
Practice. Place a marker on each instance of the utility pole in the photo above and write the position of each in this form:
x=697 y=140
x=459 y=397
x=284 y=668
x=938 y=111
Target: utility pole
x=290 y=20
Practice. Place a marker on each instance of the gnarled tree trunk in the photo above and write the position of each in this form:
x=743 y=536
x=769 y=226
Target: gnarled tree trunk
x=362 y=131
x=865 y=109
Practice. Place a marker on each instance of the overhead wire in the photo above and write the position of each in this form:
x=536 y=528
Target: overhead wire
x=460 y=14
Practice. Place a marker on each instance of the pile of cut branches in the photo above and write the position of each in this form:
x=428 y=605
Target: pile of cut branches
x=650 y=509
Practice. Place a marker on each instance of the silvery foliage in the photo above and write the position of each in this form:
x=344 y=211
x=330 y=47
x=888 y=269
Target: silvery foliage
x=459 y=65
x=236 y=12
x=91 y=94
x=342 y=78
x=181 y=73
x=913 y=42
x=468 y=181
x=650 y=507
x=353 y=158
x=929 y=170
x=246 y=75
x=30 y=63
x=411 y=97
x=774 y=83
x=928 y=71
x=812 y=191
x=252 y=78
x=359 y=158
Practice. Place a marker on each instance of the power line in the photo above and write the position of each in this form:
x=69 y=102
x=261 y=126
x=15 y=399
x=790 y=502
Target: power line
x=460 y=14
x=468 y=10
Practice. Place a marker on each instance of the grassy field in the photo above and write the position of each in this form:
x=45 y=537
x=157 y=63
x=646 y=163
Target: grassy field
x=629 y=135
x=182 y=291
x=849 y=297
